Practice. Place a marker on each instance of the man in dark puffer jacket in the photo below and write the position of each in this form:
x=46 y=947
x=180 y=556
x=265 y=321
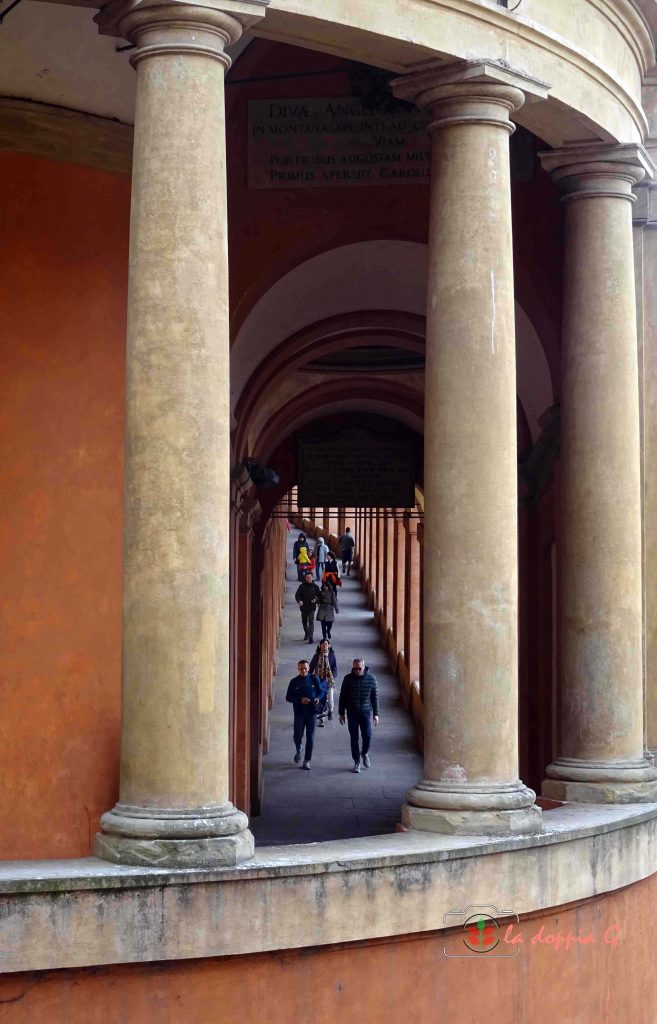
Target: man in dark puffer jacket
x=359 y=699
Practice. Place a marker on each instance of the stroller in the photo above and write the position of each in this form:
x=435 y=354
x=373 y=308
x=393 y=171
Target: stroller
x=323 y=708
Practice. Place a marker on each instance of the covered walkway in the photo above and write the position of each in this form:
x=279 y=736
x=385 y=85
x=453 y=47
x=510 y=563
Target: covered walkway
x=330 y=802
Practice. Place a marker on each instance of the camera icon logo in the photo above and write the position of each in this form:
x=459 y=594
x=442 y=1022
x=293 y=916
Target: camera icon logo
x=482 y=934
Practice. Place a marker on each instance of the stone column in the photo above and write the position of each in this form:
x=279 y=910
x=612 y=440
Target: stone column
x=379 y=569
x=388 y=570
x=645 y=269
x=601 y=740
x=248 y=513
x=412 y=621
x=470 y=673
x=420 y=538
x=374 y=576
x=399 y=587
x=173 y=805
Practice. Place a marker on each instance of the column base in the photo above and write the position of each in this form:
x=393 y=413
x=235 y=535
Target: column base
x=601 y=782
x=472 y=809
x=203 y=837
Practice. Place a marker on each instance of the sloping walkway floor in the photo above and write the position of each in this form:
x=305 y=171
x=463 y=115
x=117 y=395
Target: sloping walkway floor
x=330 y=802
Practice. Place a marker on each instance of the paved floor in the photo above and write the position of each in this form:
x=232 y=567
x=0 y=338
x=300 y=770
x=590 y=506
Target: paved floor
x=330 y=802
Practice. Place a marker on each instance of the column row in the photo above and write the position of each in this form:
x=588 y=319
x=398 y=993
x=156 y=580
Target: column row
x=470 y=612
x=173 y=805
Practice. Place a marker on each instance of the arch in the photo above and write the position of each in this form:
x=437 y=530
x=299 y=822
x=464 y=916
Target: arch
x=393 y=401
x=373 y=286
x=380 y=327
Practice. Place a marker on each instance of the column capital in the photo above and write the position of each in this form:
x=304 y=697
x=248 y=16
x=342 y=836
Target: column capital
x=177 y=26
x=595 y=169
x=469 y=91
x=645 y=210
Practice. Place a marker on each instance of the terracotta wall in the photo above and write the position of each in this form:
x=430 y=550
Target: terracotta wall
x=591 y=982
x=64 y=234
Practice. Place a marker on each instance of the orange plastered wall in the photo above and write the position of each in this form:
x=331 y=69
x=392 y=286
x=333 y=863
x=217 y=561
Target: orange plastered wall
x=587 y=964
x=63 y=280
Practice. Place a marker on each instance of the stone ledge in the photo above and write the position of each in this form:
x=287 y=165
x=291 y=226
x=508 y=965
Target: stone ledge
x=562 y=824
x=56 y=914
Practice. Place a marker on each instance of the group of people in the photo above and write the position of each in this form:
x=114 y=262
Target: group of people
x=312 y=695
x=319 y=559
x=312 y=691
x=322 y=599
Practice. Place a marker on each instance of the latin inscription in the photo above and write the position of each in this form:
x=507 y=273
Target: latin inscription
x=356 y=469
x=323 y=143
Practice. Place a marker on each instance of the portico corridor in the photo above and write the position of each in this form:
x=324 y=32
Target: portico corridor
x=330 y=802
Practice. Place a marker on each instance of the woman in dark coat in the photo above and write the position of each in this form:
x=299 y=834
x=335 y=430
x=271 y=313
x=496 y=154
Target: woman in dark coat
x=327 y=608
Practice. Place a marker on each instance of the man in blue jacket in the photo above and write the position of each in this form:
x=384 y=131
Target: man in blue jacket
x=304 y=694
x=359 y=698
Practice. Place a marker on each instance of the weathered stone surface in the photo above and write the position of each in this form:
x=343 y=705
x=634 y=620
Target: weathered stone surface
x=600 y=792
x=221 y=851
x=599 y=625
x=470 y=672
x=316 y=894
x=495 y=823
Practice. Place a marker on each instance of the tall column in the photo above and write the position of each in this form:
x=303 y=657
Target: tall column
x=399 y=586
x=470 y=782
x=373 y=556
x=173 y=805
x=369 y=529
x=380 y=558
x=412 y=621
x=645 y=268
x=420 y=539
x=388 y=568
x=601 y=739
x=249 y=512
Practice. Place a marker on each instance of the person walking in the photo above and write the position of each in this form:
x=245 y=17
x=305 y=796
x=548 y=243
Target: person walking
x=359 y=700
x=304 y=693
x=299 y=543
x=347 y=545
x=324 y=664
x=327 y=608
x=321 y=554
x=307 y=597
x=332 y=573
x=305 y=562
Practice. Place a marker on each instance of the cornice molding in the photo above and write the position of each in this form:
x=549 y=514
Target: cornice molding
x=118 y=15
x=572 y=165
x=537 y=34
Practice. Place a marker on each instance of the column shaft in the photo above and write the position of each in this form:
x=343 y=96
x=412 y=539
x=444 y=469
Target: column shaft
x=412 y=622
x=399 y=584
x=470 y=668
x=173 y=805
x=599 y=555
